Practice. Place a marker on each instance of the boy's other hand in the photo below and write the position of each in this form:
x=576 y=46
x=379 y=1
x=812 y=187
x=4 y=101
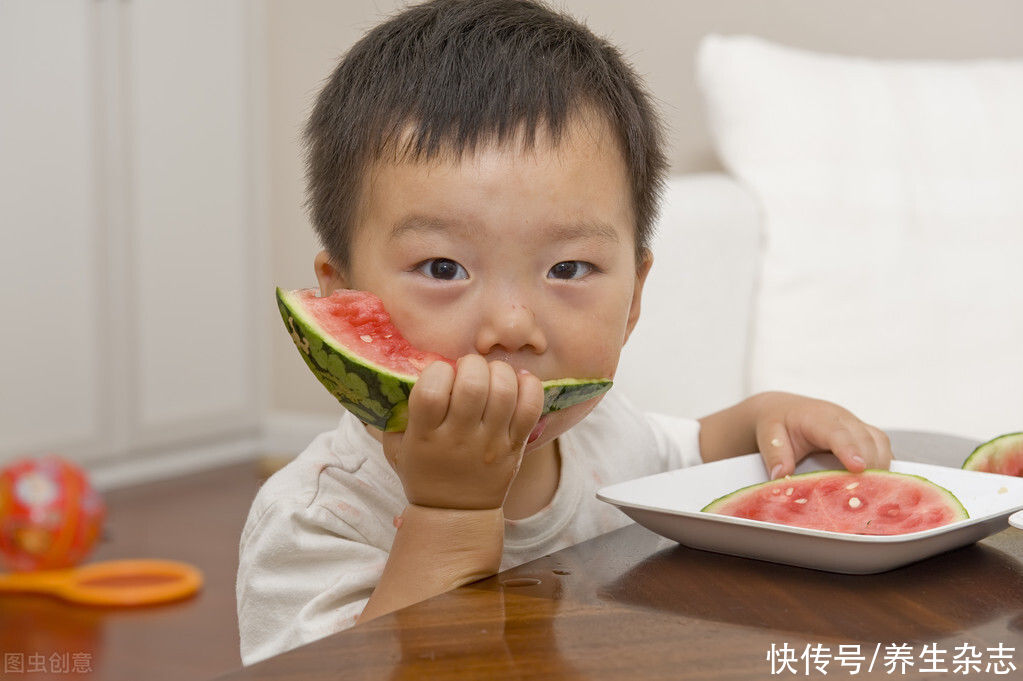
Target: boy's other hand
x=785 y=428
x=466 y=433
x=789 y=427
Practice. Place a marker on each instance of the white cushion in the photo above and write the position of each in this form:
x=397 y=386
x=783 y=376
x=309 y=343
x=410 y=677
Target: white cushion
x=892 y=194
x=686 y=354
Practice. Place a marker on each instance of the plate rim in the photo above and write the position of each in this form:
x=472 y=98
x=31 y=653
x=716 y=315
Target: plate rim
x=880 y=540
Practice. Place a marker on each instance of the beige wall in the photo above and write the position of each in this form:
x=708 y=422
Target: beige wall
x=305 y=38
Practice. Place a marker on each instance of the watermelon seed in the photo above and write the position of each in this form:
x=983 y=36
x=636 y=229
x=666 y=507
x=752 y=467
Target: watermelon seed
x=1003 y=490
x=788 y=492
x=853 y=485
x=854 y=502
x=368 y=339
x=800 y=501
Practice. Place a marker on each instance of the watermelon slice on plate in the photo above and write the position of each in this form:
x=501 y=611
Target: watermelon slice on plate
x=1002 y=455
x=874 y=502
x=671 y=504
x=348 y=341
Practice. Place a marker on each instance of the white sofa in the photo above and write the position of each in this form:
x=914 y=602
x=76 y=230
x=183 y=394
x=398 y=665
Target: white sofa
x=689 y=354
x=693 y=351
x=868 y=250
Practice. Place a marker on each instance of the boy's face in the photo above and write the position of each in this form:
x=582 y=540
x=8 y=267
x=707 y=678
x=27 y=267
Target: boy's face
x=526 y=256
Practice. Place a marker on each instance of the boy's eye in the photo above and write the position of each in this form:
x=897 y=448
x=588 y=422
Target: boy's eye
x=442 y=268
x=570 y=269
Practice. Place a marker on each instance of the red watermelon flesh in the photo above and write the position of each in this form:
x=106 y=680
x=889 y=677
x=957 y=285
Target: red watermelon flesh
x=872 y=502
x=356 y=319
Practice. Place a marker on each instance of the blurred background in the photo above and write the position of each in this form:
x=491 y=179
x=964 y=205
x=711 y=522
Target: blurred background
x=151 y=197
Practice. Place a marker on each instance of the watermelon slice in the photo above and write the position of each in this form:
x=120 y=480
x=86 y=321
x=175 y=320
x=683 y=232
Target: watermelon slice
x=873 y=502
x=1004 y=455
x=349 y=342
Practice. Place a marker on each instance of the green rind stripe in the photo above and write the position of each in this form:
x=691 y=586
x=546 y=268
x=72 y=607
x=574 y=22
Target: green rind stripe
x=562 y=393
x=990 y=455
x=379 y=397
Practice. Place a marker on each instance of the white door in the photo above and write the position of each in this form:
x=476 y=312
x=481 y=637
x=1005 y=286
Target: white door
x=52 y=290
x=130 y=226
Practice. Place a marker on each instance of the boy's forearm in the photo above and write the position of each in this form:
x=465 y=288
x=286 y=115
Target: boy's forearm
x=730 y=432
x=436 y=550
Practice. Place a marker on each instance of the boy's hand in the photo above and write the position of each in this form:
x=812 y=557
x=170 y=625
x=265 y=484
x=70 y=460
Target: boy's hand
x=785 y=428
x=467 y=429
x=789 y=427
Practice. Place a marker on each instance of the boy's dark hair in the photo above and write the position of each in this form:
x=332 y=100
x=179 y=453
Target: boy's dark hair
x=448 y=75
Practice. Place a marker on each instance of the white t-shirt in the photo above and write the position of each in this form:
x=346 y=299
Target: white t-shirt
x=319 y=530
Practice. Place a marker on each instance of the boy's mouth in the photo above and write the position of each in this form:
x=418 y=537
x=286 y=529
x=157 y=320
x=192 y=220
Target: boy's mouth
x=537 y=430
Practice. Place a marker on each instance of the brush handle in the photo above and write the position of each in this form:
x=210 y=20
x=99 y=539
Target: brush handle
x=114 y=582
x=45 y=581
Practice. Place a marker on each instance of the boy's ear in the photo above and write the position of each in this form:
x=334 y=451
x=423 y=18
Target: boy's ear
x=642 y=269
x=329 y=277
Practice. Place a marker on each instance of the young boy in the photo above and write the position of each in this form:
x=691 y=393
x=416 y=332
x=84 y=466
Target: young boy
x=490 y=170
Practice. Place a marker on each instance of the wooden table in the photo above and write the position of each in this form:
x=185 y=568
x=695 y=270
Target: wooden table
x=631 y=605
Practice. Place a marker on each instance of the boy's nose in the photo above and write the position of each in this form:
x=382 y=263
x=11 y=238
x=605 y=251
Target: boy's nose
x=509 y=326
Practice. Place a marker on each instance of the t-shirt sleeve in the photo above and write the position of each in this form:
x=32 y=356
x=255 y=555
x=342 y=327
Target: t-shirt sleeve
x=304 y=573
x=678 y=439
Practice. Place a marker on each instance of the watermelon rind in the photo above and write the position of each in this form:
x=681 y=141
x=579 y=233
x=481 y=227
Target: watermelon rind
x=953 y=501
x=379 y=396
x=991 y=456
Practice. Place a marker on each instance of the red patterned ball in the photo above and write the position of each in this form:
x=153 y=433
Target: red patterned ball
x=50 y=516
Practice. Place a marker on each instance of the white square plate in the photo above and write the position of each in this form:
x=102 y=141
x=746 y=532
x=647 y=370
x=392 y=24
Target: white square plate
x=669 y=504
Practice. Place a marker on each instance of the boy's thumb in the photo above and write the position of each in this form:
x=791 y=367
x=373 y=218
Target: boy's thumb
x=392 y=444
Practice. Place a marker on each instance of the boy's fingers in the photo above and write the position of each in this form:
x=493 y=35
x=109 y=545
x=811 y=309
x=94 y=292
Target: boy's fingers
x=504 y=391
x=428 y=401
x=528 y=407
x=854 y=448
x=470 y=390
x=849 y=440
x=840 y=442
x=776 y=449
x=884 y=448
